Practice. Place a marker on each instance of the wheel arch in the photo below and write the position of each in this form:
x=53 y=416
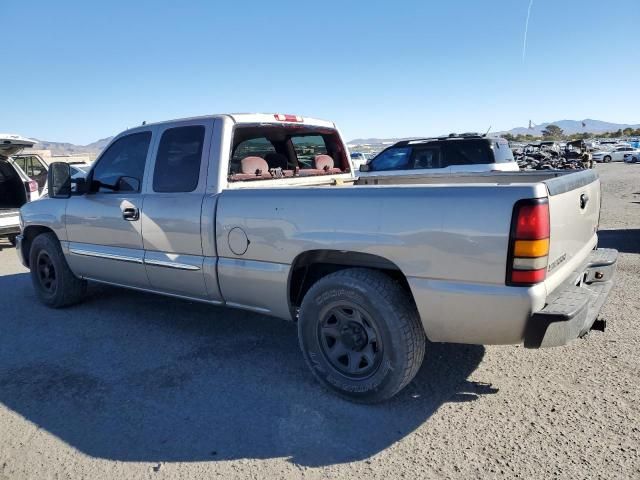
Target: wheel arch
x=310 y=266
x=28 y=235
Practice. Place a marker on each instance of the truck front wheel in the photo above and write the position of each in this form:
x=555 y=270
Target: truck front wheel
x=54 y=283
x=361 y=335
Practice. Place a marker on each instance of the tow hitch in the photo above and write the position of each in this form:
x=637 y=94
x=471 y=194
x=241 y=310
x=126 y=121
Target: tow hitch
x=599 y=325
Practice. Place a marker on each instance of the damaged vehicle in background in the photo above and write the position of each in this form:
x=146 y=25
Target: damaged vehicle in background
x=16 y=187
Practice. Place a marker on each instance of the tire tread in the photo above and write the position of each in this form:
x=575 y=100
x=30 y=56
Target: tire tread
x=407 y=320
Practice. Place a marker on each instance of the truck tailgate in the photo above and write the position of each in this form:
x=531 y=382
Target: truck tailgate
x=574 y=207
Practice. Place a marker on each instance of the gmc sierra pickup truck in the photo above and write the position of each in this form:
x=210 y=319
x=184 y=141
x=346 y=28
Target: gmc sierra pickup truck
x=264 y=212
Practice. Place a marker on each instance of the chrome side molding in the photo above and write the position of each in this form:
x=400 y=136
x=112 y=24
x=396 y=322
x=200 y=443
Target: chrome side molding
x=109 y=256
x=176 y=265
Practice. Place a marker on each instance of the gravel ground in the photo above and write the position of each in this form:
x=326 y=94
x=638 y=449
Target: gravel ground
x=131 y=385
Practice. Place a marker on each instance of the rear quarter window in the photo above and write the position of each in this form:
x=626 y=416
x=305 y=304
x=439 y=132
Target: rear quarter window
x=502 y=152
x=468 y=152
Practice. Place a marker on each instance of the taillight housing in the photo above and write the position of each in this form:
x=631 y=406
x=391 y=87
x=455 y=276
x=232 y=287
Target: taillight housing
x=528 y=254
x=282 y=117
x=31 y=185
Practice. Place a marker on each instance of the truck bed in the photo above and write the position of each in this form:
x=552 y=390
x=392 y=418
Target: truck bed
x=494 y=178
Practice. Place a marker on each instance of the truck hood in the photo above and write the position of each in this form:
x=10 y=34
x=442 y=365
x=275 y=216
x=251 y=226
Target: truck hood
x=10 y=144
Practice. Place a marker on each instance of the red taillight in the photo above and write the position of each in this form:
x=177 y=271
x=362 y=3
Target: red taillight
x=281 y=117
x=533 y=222
x=528 y=276
x=32 y=186
x=529 y=243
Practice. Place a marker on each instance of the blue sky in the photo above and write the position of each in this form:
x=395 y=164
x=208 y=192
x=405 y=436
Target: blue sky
x=77 y=71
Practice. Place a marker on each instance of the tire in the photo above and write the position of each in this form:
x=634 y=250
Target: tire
x=373 y=320
x=606 y=159
x=12 y=239
x=55 y=285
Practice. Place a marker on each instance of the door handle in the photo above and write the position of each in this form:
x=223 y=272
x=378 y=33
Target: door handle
x=131 y=214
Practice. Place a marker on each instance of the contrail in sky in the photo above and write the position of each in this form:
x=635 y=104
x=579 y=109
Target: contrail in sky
x=526 y=29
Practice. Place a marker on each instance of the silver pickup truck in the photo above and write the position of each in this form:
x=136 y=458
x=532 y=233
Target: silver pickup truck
x=263 y=212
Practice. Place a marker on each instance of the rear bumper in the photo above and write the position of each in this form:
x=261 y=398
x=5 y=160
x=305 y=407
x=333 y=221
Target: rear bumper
x=570 y=312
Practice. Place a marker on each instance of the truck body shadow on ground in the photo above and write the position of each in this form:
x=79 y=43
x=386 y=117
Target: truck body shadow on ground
x=139 y=377
x=623 y=240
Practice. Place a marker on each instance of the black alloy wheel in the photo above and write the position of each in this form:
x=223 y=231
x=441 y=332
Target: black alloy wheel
x=46 y=273
x=350 y=340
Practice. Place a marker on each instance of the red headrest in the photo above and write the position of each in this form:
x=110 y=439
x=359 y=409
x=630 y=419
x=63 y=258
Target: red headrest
x=254 y=165
x=323 y=162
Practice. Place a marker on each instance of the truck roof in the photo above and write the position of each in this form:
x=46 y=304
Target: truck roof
x=253 y=118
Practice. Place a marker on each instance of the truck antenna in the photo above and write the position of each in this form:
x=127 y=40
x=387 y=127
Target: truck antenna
x=488 y=130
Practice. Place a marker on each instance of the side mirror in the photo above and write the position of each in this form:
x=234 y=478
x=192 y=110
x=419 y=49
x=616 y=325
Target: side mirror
x=59 y=180
x=364 y=167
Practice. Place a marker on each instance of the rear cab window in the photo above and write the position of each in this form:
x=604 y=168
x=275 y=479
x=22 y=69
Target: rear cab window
x=281 y=151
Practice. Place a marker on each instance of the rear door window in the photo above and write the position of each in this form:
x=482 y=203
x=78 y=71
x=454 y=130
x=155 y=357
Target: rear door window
x=178 y=161
x=22 y=163
x=395 y=158
x=426 y=157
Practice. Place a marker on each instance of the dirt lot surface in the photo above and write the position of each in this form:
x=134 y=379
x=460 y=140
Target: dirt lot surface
x=131 y=385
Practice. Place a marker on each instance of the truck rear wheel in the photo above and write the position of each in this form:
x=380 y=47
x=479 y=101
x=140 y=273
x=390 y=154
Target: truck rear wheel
x=361 y=335
x=54 y=283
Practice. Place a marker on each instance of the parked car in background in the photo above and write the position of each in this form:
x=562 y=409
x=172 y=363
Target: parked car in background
x=632 y=157
x=35 y=168
x=79 y=170
x=358 y=158
x=443 y=155
x=263 y=212
x=16 y=187
x=614 y=155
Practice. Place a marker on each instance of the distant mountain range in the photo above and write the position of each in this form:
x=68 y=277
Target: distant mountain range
x=574 y=126
x=568 y=126
x=58 y=148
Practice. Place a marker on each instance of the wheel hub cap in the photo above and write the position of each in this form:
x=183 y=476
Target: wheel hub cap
x=349 y=340
x=353 y=336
